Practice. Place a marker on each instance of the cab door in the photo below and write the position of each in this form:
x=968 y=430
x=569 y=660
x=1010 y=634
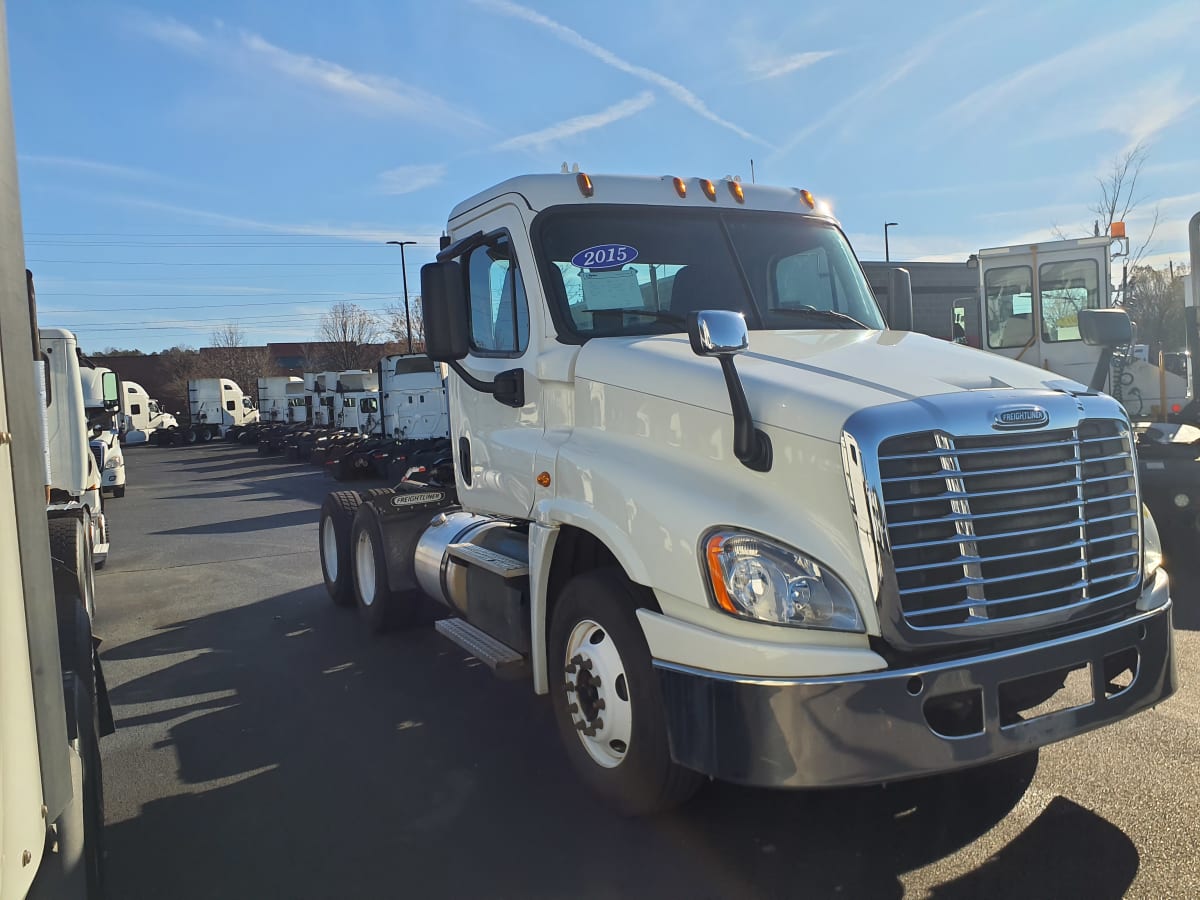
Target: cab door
x=495 y=444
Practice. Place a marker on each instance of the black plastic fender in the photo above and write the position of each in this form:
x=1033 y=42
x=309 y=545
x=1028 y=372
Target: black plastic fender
x=402 y=515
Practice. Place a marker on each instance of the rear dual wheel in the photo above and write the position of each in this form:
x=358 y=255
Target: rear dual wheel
x=381 y=607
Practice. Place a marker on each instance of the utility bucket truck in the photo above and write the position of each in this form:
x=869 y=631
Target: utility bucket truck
x=733 y=526
x=102 y=402
x=143 y=416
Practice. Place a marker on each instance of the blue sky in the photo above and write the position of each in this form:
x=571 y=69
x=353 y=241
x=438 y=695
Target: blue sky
x=187 y=165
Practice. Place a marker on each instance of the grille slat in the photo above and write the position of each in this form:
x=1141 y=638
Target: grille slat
x=971 y=519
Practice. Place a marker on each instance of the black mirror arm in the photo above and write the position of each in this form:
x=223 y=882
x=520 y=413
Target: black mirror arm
x=508 y=388
x=751 y=445
x=1103 y=365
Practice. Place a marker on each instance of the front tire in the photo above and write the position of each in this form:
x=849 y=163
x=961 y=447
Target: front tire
x=118 y=492
x=606 y=697
x=71 y=553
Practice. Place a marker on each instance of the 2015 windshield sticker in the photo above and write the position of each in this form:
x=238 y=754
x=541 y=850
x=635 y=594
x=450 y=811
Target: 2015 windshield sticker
x=604 y=256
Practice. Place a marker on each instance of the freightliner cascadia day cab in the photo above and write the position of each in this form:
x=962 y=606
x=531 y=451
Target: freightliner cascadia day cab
x=214 y=406
x=413 y=398
x=735 y=526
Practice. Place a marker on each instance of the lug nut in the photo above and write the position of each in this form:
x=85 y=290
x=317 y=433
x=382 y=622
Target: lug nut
x=569 y=688
x=572 y=668
x=572 y=707
x=587 y=664
x=597 y=723
x=600 y=704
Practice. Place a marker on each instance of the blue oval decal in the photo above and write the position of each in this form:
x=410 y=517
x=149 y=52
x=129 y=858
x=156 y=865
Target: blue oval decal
x=604 y=256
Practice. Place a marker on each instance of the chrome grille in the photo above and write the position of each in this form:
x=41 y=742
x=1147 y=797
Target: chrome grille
x=1011 y=526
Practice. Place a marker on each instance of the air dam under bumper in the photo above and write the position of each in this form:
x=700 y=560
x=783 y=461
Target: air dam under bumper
x=872 y=728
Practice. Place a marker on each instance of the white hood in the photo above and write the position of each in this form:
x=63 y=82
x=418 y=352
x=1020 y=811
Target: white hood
x=809 y=382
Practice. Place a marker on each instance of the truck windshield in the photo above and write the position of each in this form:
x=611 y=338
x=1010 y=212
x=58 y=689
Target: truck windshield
x=629 y=271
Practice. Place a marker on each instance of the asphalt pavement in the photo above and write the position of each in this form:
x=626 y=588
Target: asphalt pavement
x=269 y=747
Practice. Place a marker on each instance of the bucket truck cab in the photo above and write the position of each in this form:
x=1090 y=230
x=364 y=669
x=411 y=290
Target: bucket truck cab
x=731 y=524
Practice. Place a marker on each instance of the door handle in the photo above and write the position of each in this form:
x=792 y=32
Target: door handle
x=464 y=459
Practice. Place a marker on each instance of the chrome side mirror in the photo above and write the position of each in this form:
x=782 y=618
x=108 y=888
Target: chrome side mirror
x=718 y=332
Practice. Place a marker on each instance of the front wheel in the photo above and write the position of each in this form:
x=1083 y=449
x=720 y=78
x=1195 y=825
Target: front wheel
x=118 y=491
x=606 y=697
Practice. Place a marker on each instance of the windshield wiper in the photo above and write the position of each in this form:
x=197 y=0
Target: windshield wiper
x=828 y=315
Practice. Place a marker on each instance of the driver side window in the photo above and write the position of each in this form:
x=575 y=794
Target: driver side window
x=496 y=293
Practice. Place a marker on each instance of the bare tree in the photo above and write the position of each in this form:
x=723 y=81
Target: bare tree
x=1118 y=199
x=352 y=335
x=398 y=325
x=229 y=357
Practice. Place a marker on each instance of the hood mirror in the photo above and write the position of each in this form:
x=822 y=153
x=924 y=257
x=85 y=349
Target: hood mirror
x=716 y=332
x=722 y=333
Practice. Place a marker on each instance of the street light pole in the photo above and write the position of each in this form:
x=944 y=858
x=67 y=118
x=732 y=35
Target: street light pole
x=887 y=253
x=404 y=277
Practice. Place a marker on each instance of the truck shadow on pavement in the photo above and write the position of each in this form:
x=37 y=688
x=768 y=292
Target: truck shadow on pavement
x=314 y=761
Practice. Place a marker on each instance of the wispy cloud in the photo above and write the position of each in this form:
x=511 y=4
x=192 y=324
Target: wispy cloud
x=910 y=62
x=1165 y=27
x=776 y=67
x=407 y=179
x=572 y=37
x=93 y=167
x=1149 y=109
x=353 y=232
x=579 y=124
x=370 y=93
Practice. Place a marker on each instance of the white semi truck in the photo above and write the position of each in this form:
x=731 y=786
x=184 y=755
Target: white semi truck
x=142 y=415
x=102 y=403
x=75 y=469
x=51 y=689
x=413 y=398
x=274 y=396
x=731 y=524
x=356 y=406
x=214 y=406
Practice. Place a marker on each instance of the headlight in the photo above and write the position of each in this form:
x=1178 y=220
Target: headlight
x=113 y=462
x=756 y=578
x=1152 y=554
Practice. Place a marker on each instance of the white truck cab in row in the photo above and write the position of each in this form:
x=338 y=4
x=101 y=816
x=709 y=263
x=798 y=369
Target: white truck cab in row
x=735 y=526
x=215 y=405
x=102 y=401
x=75 y=469
x=142 y=414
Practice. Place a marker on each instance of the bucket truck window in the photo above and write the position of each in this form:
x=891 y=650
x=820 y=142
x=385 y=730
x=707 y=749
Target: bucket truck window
x=1065 y=288
x=1009 y=301
x=499 y=310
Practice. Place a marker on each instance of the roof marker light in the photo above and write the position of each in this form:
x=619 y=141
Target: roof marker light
x=680 y=187
x=807 y=197
x=735 y=188
x=1117 y=230
x=585 y=184
x=710 y=189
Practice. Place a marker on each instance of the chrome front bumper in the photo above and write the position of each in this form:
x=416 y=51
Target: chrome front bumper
x=875 y=727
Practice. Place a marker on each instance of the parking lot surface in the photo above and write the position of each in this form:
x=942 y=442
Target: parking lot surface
x=269 y=747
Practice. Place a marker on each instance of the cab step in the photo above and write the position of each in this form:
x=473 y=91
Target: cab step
x=502 y=659
x=488 y=560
